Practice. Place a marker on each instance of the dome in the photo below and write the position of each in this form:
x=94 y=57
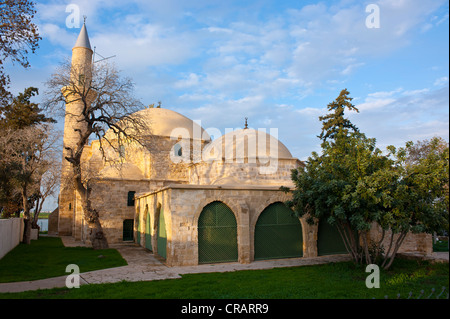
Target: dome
x=245 y=143
x=165 y=122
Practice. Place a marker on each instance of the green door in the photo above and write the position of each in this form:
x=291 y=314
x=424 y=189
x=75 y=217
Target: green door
x=217 y=234
x=148 y=233
x=329 y=241
x=162 y=236
x=128 y=229
x=278 y=233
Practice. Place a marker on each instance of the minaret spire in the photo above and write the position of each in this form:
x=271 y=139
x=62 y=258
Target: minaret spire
x=83 y=38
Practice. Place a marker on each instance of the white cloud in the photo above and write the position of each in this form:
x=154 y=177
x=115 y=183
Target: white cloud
x=398 y=116
x=191 y=80
x=441 y=81
x=57 y=35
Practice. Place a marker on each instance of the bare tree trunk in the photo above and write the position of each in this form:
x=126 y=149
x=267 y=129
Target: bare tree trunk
x=26 y=215
x=348 y=239
x=380 y=244
x=397 y=246
x=366 y=248
x=97 y=237
x=386 y=256
x=96 y=234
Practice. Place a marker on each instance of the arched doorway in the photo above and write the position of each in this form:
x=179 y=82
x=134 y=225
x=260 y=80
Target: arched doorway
x=148 y=233
x=278 y=233
x=329 y=241
x=161 y=235
x=217 y=234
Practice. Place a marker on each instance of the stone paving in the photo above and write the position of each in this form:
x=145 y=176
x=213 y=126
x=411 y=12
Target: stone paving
x=144 y=266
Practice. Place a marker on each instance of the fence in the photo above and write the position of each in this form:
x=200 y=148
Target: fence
x=432 y=295
x=11 y=232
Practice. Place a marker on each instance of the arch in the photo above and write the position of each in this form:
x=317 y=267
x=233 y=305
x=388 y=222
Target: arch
x=263 y=203
x=177 y=150
x=278 y=233
x=148 y=231
x=236 y=209
x=161 y=233
x=217 y=234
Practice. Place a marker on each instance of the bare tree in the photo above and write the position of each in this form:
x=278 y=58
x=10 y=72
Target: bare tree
x=105 y=112
x=48 y=181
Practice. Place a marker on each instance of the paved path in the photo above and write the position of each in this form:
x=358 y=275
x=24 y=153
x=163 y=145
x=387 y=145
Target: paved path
x=143 y=266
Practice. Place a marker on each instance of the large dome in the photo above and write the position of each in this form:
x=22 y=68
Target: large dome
x=165 y=122
x=246 y=143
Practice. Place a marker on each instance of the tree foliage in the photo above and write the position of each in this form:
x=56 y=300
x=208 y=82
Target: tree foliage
x=27 y=154
x=18 y=36
x=354 y=186
x=21 y=112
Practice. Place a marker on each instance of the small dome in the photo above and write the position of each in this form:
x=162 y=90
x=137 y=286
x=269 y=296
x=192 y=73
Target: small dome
x=245 y=143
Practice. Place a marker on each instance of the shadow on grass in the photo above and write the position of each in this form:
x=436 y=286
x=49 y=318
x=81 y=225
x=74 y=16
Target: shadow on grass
x=47 y=257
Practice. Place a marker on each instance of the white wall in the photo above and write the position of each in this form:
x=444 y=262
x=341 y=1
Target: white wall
x=11 y=232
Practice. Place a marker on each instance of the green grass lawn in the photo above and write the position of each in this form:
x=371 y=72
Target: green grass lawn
x=47 y=257
x=330 y=281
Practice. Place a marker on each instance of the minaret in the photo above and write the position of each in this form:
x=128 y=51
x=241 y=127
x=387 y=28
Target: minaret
x=81 y=72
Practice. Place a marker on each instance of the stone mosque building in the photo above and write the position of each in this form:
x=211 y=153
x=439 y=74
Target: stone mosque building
x=191 y=200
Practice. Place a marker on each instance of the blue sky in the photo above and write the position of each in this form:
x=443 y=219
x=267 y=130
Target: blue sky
x=279 y=63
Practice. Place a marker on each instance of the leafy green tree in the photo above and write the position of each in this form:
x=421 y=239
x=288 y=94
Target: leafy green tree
x=16 y=116
x=353 y=186
x=26 y=149
x=335 y=122
x=21 y=112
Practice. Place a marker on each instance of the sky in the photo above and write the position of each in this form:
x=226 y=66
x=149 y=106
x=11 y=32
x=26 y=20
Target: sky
x=279 y=63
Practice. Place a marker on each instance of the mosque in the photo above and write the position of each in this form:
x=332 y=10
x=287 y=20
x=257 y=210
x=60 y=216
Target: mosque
x=191 y=199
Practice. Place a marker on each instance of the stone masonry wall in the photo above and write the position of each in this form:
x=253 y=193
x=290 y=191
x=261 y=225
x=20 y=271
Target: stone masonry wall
x=182 y=207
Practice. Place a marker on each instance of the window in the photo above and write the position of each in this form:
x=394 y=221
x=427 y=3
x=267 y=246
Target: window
x=131 y=198
x=81 y=79
x=177 y=150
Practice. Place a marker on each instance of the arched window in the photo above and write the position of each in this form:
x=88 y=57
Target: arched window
x=177 y=150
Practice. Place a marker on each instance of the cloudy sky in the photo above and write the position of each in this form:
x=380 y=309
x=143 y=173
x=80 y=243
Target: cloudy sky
x=279 y=63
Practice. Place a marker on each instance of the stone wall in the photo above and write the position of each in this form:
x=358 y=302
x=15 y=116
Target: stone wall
x=183 y=204
x=11 y=233
x=53 y=222
x=110 y=198
x=418 y=243
x=223 y=172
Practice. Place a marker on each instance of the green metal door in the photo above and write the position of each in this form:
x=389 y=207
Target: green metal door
x=329 y=241
x=217 y=234
x=278 y=233
x=148 y=233
x=128 y=229
x=162 y=236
